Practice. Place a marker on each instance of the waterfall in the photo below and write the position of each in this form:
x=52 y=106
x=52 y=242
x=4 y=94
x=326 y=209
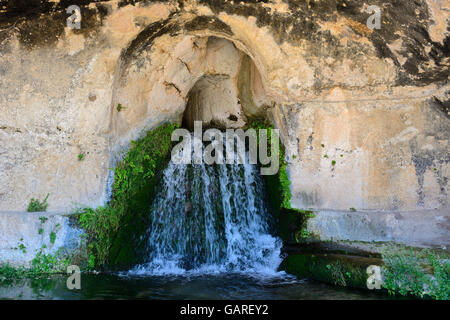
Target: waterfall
x=210 y=218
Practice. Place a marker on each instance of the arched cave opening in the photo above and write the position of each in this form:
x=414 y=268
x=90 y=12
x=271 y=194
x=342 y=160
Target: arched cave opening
x=230 y=93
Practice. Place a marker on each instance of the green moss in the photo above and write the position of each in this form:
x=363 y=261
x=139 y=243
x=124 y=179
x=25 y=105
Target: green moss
x=291 y=221
x=406 y=271
x=114 y=230
x=293 y=225
x=341 y=270
x=279 y=184
x=285 y=183
x=297 y=264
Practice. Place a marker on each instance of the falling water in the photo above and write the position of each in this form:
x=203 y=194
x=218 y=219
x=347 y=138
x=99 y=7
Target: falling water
x=210 y=218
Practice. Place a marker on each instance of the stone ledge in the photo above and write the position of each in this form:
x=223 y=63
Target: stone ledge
x=419 y=228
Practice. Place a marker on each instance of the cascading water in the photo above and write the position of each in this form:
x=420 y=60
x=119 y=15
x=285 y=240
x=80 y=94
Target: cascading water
x=210 y=218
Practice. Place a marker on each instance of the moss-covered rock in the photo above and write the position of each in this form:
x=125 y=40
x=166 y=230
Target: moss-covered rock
x=291 y=222
x=115 y=231
x=336 y=269
x=293 y=225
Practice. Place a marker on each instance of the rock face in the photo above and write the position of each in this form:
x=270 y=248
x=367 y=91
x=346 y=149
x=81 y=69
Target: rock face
x=23 y=235
x=363 y=113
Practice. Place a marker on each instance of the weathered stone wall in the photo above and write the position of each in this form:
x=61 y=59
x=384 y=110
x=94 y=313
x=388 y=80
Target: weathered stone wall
x=23 y=235
x=363 y=113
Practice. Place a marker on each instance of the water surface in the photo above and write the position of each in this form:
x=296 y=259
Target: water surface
x=218 y=286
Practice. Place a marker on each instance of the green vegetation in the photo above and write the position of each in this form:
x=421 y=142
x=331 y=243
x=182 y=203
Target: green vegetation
x=292 y=222
x=101 y=225
x=279 y=184
x=303 y=234
x=293 y=225
x=120 y=107
x=47 y=263
x=41 y=266
x=22 y=248
x=333 y=163
x=113 y=230
x=36 y=206
x=52 y=237
x=334 y=269
x=80 y=156
x=43 y=219
x=420 y=273
x=8 y=273
x=352 y=209
x=285 y=185
x=41 y=231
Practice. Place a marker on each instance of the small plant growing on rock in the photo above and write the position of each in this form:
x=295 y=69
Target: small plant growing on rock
x=352 y=209
x=120 y=107
x=333 y=163
x=424 y=273
x=47 y=263
x=36 y=206
x=22 y=248
x=80 y=157
x=43 y=219
x=52 y=237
